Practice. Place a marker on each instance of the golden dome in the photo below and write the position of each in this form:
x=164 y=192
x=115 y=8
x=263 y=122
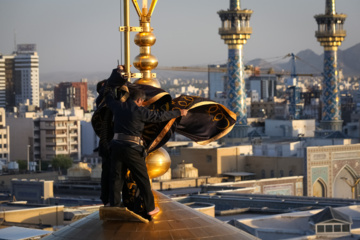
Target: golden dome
x=157 y=163
x=150 y=82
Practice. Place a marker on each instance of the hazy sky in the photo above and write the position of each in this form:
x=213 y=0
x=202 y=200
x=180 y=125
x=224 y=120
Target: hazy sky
x=82 y=35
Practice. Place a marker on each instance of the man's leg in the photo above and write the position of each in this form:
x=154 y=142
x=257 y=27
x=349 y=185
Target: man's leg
x=118 y=171
x=137 y=166
x=105 y=180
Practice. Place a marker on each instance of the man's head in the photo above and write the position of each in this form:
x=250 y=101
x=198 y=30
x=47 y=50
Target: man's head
x=138 y=96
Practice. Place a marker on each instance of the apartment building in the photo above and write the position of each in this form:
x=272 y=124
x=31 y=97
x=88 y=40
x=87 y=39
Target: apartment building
x=57 y=135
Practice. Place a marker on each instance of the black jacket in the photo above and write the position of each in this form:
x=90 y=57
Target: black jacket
x=130 y=119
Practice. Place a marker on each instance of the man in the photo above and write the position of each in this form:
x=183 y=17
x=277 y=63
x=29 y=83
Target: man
x=126 y=147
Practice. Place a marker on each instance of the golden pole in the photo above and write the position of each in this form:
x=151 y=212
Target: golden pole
x=136 y=5
x=152 y=7
x=127 y=37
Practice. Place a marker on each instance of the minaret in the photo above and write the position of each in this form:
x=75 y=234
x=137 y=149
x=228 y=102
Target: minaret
x=330 y=34
x=235 y=31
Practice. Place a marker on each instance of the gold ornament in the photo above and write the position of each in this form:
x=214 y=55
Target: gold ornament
x=157 y=163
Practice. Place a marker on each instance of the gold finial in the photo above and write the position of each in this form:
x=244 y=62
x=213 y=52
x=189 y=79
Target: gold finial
x=145 y=61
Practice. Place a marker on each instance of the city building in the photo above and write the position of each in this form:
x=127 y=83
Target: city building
x=326 y=223
x=216 y=80
x=6 y=81
x=57 y=135
x=333 y=171
x=263 y=109
x=264 y=85
x=290 y=128
x=22 y=136
x=19 y=77
x=72 y=94
x=89 y=140
x=4 y=138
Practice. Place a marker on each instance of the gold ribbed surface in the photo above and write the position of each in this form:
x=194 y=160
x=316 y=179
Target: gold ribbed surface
x=175 y=221
x=158 y=163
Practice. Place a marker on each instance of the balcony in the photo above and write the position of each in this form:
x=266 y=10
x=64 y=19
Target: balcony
x=235 y=31
x=327 y=34
x=64 y=152
x=75 y=150
x=50 y=143
x=61 y=143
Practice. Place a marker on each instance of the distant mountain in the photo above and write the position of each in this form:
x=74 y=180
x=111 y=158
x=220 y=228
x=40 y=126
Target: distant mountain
x=261 y=63
x=310 y=62
x=307 y=62
x=350 y=60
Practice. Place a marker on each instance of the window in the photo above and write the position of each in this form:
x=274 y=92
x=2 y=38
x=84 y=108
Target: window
x=208 y=158
x=346 y=228
x=337 y=228
x=263 y=175
x=328 y=228
x=272 y=174
x=320 y=228
x=291 y=173
x=281 y=173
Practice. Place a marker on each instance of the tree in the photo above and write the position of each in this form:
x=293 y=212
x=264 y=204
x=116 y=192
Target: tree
x=62 y=162
x=22 y=164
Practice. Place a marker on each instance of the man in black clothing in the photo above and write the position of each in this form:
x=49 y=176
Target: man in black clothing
x=126 y=147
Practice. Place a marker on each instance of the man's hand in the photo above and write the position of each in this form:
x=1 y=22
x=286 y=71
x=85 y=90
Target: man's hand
x=120 y=68
x=183 y=112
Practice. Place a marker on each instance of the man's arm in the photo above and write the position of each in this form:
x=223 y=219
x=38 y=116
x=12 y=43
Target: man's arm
x=117 y=77
x=161 y=116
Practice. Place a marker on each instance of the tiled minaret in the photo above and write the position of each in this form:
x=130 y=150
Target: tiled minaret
x=235 y=31
x=330 y=34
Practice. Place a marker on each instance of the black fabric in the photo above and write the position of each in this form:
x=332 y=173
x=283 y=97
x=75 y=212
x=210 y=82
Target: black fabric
x=130 y=119
x=206 y=119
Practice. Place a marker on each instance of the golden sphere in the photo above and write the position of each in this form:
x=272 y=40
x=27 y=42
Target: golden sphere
x=145 y=62
x=150 y=82
x=145 y=39
x=157 y=163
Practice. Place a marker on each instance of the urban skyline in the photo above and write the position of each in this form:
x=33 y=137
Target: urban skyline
x=83 y=35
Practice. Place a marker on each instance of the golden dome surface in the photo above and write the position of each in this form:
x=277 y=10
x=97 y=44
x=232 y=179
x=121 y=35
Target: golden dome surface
x=174 y=221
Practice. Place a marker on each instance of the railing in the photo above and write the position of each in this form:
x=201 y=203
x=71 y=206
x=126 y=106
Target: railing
x=239 y=30
x=330 y=33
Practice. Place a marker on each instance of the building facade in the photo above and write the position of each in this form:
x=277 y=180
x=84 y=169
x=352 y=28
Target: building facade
x=57 y=136
x=72 y=94
x=333 y=171
x=6 y=81
x=4 y=138
x=19 y=77
x=216 y=80
x=264 y=85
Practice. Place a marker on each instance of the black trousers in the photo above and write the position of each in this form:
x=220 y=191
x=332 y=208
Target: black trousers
x=123 y=157
x=105 y=180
